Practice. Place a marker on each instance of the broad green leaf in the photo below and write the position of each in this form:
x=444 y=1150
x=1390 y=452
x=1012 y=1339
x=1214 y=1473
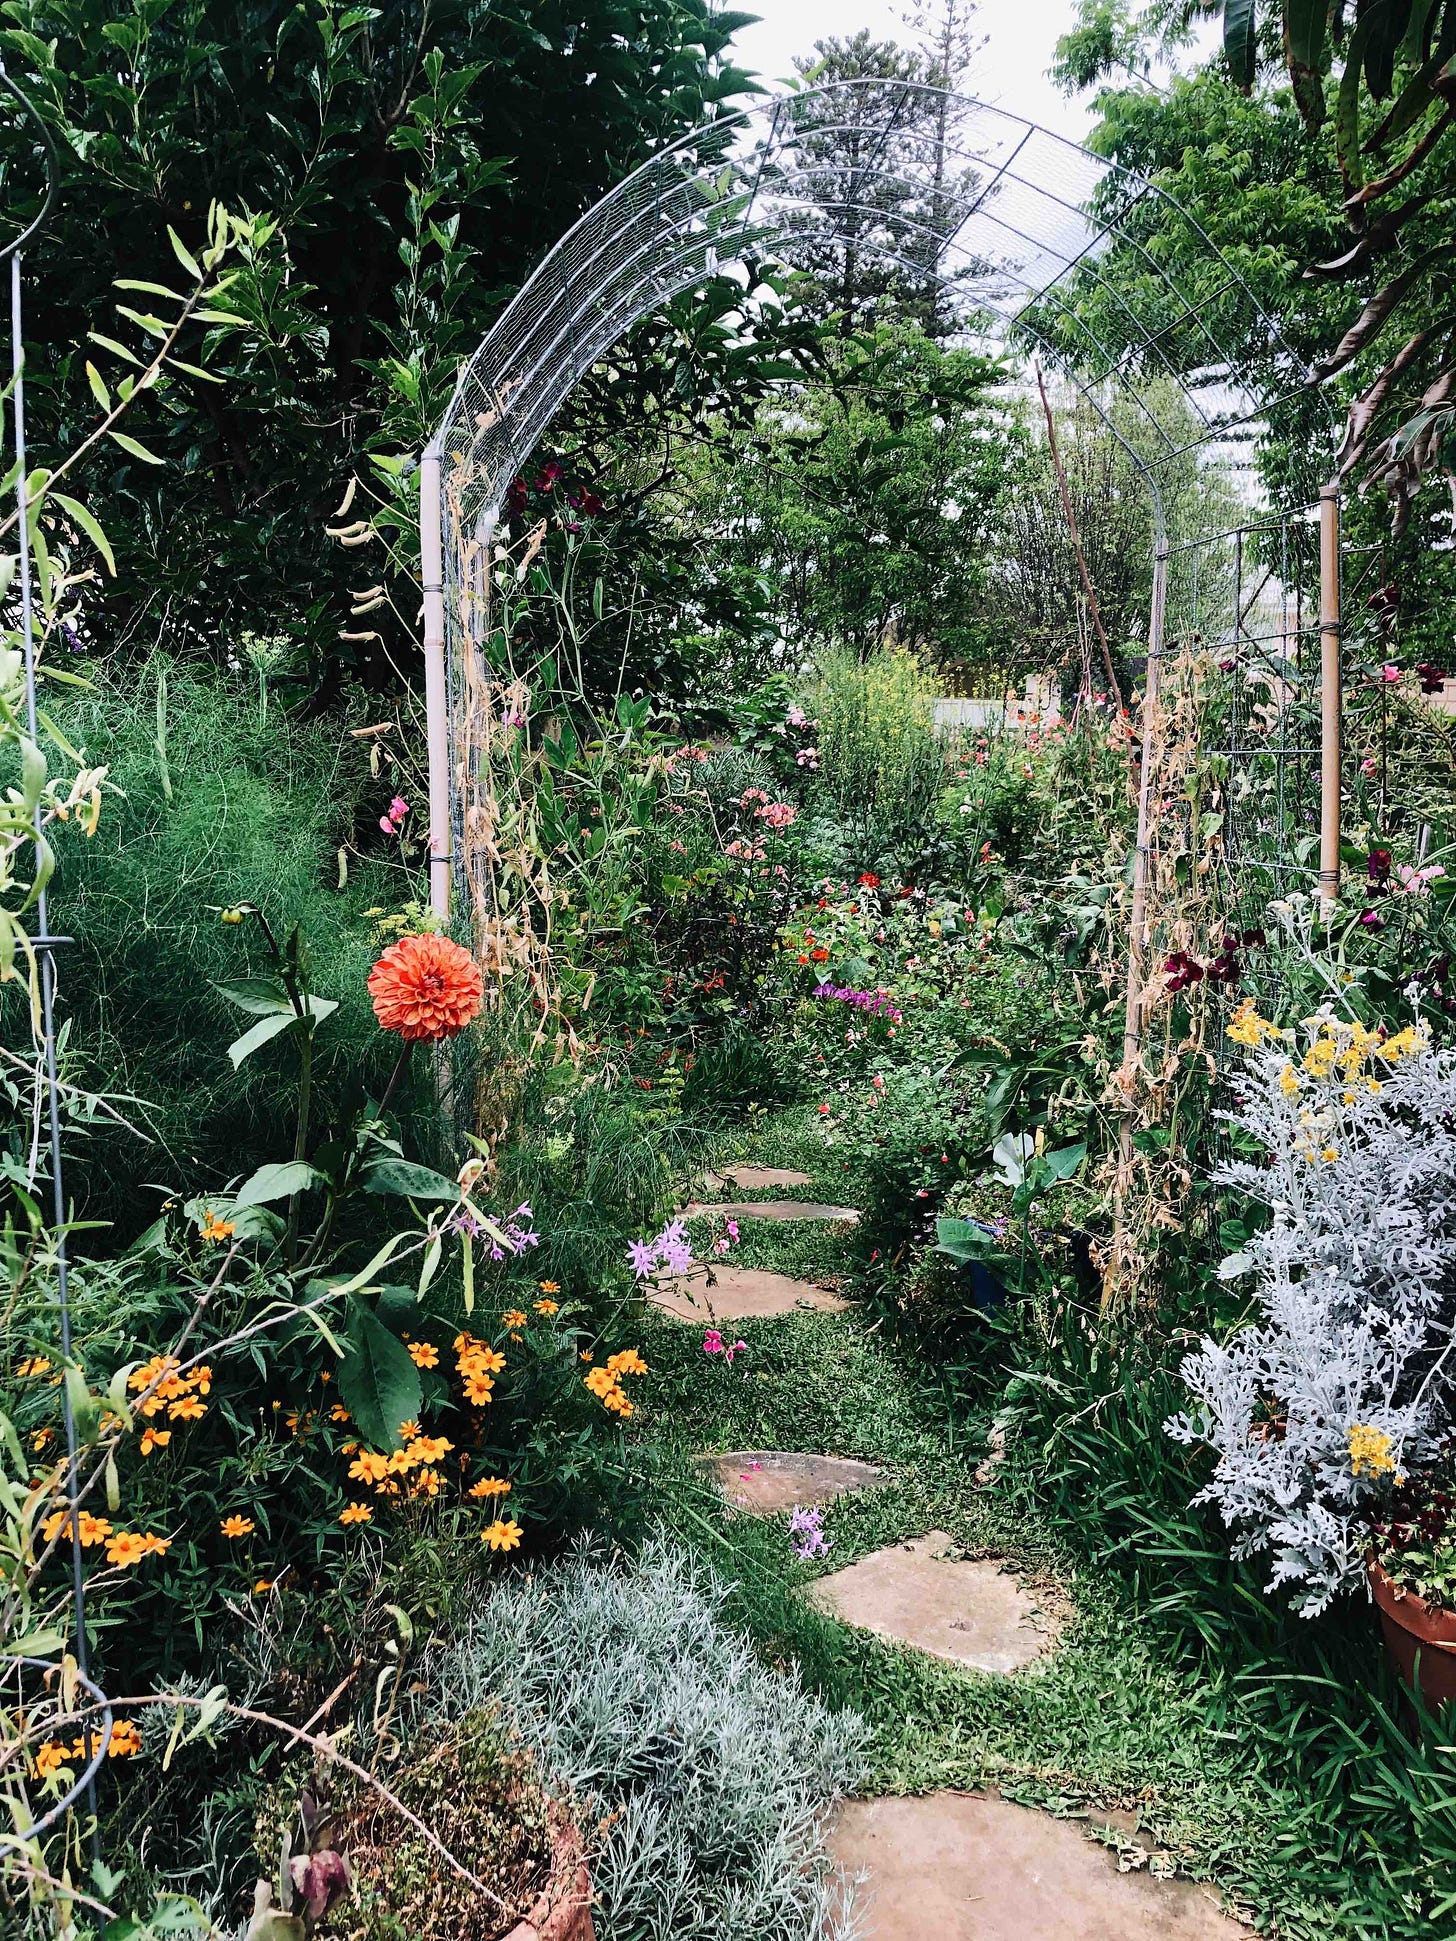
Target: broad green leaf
x=279 y=1181
x=413 y=1182
x=963 y=1240
x=261 y=1034
x=1240 y=41
x=260 y=997
x=378 y=1383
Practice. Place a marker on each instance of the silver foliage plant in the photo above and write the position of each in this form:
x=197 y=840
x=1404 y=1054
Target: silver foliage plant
x=1345 y=1381
x=713 y=1774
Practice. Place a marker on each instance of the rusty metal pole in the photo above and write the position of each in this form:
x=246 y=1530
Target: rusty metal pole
x=1330 y=692
x=437 y=725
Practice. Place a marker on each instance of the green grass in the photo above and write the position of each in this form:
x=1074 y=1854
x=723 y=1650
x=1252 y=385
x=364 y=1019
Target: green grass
x=1257 y=1752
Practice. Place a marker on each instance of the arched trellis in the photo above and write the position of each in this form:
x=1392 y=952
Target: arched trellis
x=1009 y=222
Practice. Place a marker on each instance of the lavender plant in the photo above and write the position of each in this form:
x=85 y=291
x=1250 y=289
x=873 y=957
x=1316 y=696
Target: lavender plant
x=1318 y=1410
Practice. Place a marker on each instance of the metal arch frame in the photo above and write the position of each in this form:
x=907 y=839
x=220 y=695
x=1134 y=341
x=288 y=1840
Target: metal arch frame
x=698 y=206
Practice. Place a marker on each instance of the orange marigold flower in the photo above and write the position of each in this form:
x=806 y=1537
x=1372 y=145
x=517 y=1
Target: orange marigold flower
x=50 y=1758
x=188 y=1409
x=263 y=1586
x=427 y=1483
x=144 y=1375
x=237 y=1526
x=547 y=1308
x=548 y=1287
x=627 y=1361
x=125 y=1741
x=503 y=1534
x=356 y=1513
x=426 y=987
x=42 y=1438
x=338 y=1413
x=490 y=1486
x=201 y=1379
x=424 y=1354
x=482 y=1360
x=33 y=1365
x=215 y=1229
x=430 y=1448
x=601 y=1381
x=409 y=1430
x=94 y=1529
x=154 y=1439
x=478 y=1390
x=513 y=1318
x=126 y=1549
x=154 y=1546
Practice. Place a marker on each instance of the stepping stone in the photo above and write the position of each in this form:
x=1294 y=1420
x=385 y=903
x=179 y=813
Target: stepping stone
x=741 y=1294
x=769 y=1482
x=914 y=1593
x=756 y=1179
x=770 y=1210
x=963 y=1867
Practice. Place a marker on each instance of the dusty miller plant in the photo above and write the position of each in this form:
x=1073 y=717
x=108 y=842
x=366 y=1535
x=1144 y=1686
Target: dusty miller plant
x=1345 y=1381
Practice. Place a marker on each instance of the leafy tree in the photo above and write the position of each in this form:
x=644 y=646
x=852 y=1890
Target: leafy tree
x=411 y=162
x=863 y=500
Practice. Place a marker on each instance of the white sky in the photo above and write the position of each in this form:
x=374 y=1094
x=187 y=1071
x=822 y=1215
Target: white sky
x=1010 y=70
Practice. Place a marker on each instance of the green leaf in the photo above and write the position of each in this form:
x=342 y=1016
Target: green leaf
x=276 y=1182
x=963 y=1240
x=378 y=1383
x=1304 y=53
x=129 y=444
x=89 y=525
x=260 y=997
x=409 y=1181
x=261 y=1034
x=1240 y=41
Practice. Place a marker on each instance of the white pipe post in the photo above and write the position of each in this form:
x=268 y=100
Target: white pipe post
x=437 y=724
x=1330 y=693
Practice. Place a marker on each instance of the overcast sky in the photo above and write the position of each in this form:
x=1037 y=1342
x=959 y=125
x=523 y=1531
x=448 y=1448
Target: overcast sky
x=1010 y=71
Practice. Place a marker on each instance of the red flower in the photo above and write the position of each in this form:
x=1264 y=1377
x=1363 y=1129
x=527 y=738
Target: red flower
x=426 y=987
x=870 y=880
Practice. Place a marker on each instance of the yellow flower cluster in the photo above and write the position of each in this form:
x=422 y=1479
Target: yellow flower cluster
x=1246 y=1027
x=124 y=1743
x=1372 y=1453
x=176 y=1393
x=606 y=1382
x=391 y=1474
x=123 y=1547
x=476 y=1362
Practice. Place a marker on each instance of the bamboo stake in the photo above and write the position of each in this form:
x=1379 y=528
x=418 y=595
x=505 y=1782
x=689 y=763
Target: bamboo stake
x=432 y=576
x=1132 y=1036
x=1330 y=692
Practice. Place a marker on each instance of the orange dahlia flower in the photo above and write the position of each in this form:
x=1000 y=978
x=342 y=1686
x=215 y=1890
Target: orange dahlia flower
x=426 y=987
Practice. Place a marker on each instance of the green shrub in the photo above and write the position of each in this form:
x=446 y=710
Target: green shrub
x=235 y=801
x=879 y=757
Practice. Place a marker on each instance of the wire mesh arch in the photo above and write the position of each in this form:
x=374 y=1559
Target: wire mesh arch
x=1011 y=225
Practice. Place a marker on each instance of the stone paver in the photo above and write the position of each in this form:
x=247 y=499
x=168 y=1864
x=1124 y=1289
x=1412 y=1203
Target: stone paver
x=740 y=1294
x=961 y=1867
x=767 y=1482
x=914 y=1593
x=769 y=1210
x=756 y=1179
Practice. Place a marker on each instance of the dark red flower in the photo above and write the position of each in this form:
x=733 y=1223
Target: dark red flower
x=1432 y=678
x=1377 y=865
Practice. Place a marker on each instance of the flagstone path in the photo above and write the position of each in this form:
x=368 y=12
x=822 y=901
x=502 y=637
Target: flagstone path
x=948 y=1866
x=740 y=1294
x=971 y=1612
x=966 y=1867
x=771 y=1482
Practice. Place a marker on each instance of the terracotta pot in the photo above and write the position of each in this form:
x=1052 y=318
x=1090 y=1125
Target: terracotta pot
x=1410 y=1626
x=563 y=1911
